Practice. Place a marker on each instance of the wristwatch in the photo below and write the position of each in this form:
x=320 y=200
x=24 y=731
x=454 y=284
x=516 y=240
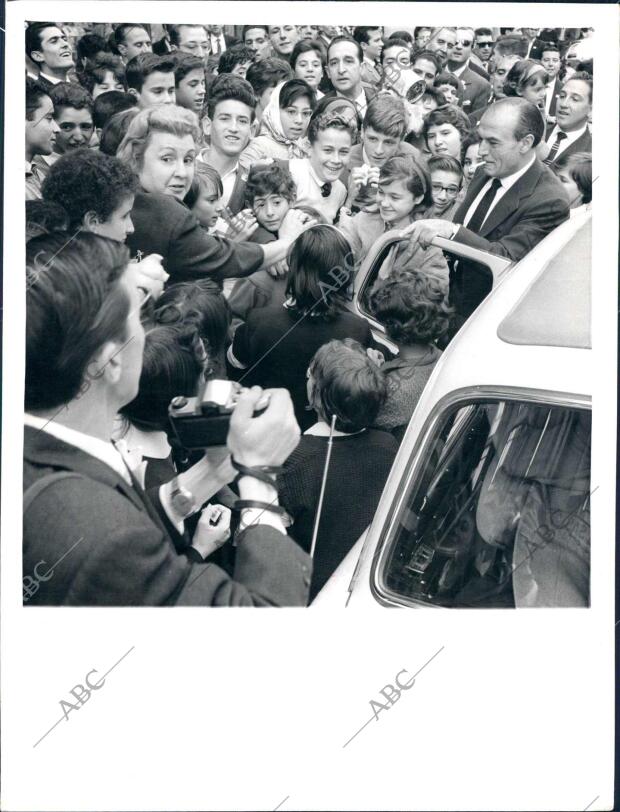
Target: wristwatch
x=183 y=501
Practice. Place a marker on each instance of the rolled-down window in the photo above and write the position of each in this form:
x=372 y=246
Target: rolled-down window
x=499 y=513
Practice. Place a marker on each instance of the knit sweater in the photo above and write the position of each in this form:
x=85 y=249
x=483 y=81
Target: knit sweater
x=406 y=381
x=359 y=466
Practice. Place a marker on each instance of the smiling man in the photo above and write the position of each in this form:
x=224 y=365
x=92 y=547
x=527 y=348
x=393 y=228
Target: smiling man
x=229 y=127
x=476 y=88
x=48 y=47
x=511 y=203
x=283 y=39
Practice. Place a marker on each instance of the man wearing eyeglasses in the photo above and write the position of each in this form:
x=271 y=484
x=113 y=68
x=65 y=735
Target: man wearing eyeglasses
x=483 y=47
x=476 y=87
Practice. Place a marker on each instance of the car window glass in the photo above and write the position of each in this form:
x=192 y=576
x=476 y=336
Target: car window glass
x=499 y=513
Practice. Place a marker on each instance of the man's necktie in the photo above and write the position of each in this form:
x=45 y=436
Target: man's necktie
x=555 y=147
x=217 y=47
x=478 y=217
x=326 y=189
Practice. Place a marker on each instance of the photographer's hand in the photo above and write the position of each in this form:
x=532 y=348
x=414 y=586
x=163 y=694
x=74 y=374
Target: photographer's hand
x=209 y=537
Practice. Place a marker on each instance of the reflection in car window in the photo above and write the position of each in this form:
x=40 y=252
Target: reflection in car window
x=499 y=515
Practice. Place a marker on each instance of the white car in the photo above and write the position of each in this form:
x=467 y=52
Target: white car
x=488 y=501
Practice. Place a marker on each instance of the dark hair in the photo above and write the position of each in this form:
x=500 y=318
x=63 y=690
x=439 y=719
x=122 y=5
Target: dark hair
x=85 y=180
x=430 y=56
x=173 y=32
x=267 y=73
x=115 y=130
x=445 y=163
x=403 y=36
x=446 y=78
x=44 y=217
x=415 y=176
x=200 y=304
x=270 y=179
x=320 y=262
x=386 y=114
x=184 y=64
x=529 y=118
x=230 y=88
x=587 y=66
x=449 y=115
x=582 y=76
x=437 y=95
x=90 y=45
x=304 y=46
x=67 y=94
x=512 y=45
x=347 y=384
x=94 y=71
x=579 y=167
x=549 y=46
x=338 y=40
x=327 y=122
x=109 y=103
x=412 y=306
x=120 y=32
x=203 y=174
x=483 y=32
x=247 y=28
x=334 y=106
x=75 y=304
x=421 y=28
x=361 y=33
x=233 y=56
x=173 y=361
x=34 y=93
x=520 y=74
x=296 y=89
x=143 y=65
x=396 y=43
x=33 y=36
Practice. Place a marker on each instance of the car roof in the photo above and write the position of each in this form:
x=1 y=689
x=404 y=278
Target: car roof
x=556 y=310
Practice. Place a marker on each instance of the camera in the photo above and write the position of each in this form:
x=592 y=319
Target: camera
x=203 y=421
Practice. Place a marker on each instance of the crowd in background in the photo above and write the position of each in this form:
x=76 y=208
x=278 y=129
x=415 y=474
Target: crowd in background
x=199 y=202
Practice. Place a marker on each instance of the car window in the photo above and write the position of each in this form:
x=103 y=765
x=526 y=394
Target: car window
x=499 y=513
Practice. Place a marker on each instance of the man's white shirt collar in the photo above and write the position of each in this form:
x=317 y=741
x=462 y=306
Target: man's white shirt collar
x=51 y=79
x=570 y=136
x=103 y=451
x=460 y=70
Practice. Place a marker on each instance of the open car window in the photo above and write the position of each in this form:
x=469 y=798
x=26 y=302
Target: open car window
x=498 y=514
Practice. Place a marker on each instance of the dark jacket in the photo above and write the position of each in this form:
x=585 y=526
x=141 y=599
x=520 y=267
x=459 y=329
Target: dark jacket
x=125 y=555
x=582 y=144
x=533 y=207
x=165 y=226
x=476 y=90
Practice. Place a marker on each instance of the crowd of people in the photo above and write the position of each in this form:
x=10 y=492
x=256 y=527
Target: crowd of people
x=198 y=204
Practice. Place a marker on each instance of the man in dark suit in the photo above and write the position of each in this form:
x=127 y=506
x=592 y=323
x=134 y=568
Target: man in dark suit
x=92 y=536
x=476 y=88
x=574 y=108
x=219 y=41
x=344 y=68
x=508 y=50
x=512 y=202
x=551 y=62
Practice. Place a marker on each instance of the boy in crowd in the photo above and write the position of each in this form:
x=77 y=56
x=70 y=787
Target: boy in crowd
x=151 y=80
x=264 y=76
x=41 y=131
x=106 y=105
x=317 y=177
x=256 y=38
x=283 y=39
x=130 y=40
x=228 y=126
x=190 y=82
x=446 y=178
x=383 y=131
x=451 y=88
x=102 y=73
x=49 y=49
x=235 y=60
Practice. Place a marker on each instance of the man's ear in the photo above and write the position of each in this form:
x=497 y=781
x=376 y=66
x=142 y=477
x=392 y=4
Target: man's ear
x=206 y=126
x=37 y=56
x=133 y=92
x=527 y=143
x=107 y=365
x=91 y=221
x=254 y=128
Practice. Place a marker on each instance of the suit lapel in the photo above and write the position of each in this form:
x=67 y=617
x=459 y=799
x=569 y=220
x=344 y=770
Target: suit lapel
x=237 y=198
x=478 y=181
x=509 y=203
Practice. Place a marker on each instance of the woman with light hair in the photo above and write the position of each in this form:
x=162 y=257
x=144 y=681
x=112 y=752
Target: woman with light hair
x=160 y=147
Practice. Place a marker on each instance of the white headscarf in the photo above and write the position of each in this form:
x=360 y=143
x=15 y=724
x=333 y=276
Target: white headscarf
x=271 y=126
